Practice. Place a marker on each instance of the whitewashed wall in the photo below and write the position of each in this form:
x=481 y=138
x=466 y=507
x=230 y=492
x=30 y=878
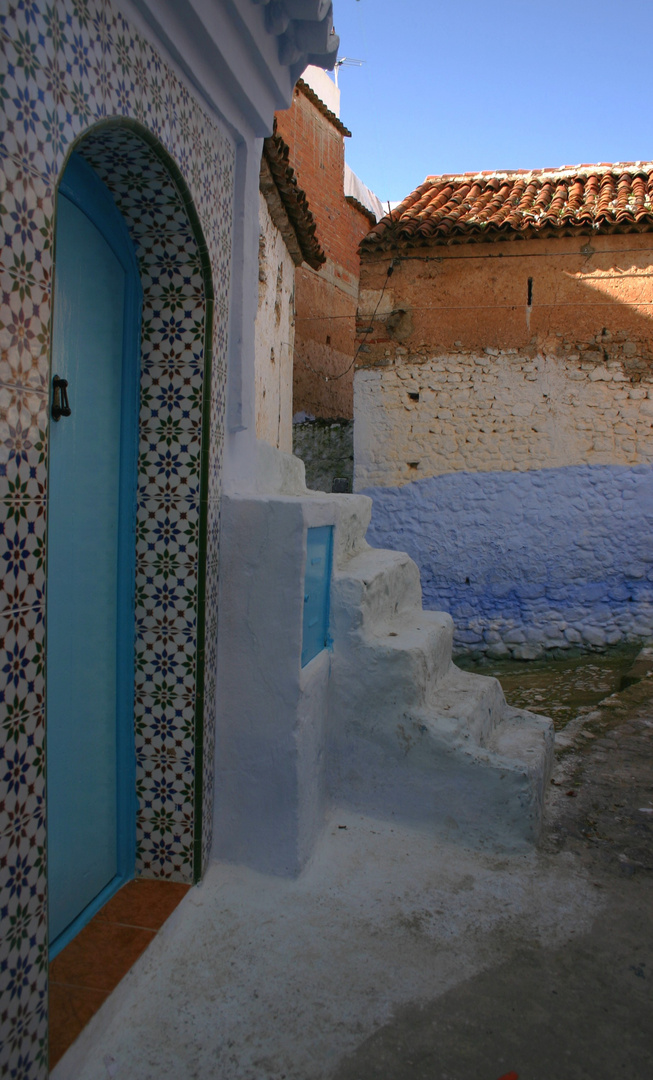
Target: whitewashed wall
x=523 y=488
x=275 y=335
x=498 y=410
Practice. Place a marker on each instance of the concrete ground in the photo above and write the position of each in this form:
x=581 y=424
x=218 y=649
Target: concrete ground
x=401 y=956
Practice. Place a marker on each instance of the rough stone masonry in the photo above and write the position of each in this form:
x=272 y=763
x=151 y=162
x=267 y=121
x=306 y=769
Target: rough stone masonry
x=503 y=427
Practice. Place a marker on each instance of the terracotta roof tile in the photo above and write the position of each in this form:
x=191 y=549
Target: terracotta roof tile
x=488 y=206
x=288 y=204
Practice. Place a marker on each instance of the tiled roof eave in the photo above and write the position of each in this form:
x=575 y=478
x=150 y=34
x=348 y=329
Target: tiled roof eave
x=392 y=242
x=288 y=204
x=488 y=207
x=353 y=201
x=309 y=93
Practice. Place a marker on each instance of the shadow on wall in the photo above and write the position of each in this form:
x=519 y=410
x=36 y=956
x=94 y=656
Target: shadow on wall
x=327 y=449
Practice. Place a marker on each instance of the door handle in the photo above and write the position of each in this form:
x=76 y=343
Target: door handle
x=60 y=403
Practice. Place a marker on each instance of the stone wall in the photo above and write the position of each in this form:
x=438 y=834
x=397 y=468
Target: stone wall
x=504 y=428
x=503 y=410
x=528 y=562
x=327 y=449
x=274 y=335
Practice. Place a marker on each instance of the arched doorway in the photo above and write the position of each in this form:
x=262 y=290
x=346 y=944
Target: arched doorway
x=91 y=524
x=160 y=635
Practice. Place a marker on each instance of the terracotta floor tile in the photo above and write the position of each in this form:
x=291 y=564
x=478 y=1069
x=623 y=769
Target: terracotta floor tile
x=100 y=956
x=71 y=1008
x=84 y=973
x=144 y=903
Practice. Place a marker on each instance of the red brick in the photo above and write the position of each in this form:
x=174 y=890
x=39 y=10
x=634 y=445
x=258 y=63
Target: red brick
x=324 y=304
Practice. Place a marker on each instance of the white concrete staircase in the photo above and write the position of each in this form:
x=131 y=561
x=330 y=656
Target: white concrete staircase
x=382 y=721
x=410 y=735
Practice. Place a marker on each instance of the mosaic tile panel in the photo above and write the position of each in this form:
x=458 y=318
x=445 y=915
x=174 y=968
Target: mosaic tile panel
x=69 y=66
x=168 y=507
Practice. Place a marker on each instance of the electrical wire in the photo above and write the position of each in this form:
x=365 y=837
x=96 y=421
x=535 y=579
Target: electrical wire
x=520 y=254
x=334 y=378
x=482 y=307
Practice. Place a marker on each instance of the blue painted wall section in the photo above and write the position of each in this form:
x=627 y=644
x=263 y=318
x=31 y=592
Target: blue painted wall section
x=530 y=561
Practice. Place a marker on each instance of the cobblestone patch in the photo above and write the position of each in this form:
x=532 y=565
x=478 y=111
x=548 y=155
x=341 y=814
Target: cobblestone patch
x=601 y=799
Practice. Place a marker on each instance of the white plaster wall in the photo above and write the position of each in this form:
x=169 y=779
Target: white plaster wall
x=275 y=335
x=324 y=86
x=269 y=712
x=493 y=411
x=523 y=488
x=257 y=806
x=271 y=776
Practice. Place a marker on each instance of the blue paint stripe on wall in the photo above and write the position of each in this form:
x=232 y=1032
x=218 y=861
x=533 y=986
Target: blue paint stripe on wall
x=549 y=558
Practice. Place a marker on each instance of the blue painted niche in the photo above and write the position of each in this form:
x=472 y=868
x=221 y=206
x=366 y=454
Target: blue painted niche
x=317 y=581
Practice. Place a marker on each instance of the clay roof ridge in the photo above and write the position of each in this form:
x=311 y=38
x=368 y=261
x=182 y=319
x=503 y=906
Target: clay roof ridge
x=309 y=92
x=288 y=204
x=561 y=171
x=369 y=214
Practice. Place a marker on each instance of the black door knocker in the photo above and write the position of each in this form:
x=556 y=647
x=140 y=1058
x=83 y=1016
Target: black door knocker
x=60 y=403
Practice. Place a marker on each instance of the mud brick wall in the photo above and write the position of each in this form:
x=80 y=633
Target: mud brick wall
x=504 y=427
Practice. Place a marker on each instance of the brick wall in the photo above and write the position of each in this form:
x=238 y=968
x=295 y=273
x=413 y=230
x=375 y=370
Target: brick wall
x=464 y=374
x=326 y=299
x=508 y=445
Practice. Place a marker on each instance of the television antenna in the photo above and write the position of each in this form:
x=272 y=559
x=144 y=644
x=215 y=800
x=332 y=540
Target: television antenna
x=346 y=61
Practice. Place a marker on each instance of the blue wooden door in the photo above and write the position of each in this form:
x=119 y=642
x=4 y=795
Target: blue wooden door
x=91 y=547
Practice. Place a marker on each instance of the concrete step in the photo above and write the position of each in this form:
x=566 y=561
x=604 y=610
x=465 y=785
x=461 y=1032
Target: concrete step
x=396 y=664
x=475 y=703
x=522 y=736
x=426 y=766
x=353 y=513
x=411 y=735
x=374 y=588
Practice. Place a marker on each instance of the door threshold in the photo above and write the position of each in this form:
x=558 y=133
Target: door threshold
x=89 y=968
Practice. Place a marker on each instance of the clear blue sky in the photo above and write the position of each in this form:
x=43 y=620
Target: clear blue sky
x=492 y=84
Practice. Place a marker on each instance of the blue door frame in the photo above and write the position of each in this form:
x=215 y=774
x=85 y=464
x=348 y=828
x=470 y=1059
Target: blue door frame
x=81 y=186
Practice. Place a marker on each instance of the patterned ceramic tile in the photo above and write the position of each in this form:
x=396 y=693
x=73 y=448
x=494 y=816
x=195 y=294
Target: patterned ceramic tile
x=22 y=659
x=171 y=727
x=22 y=541
x=67 y=65
x=23 y=420
x=160 y=841
x=22 y=819
x=176 y=527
